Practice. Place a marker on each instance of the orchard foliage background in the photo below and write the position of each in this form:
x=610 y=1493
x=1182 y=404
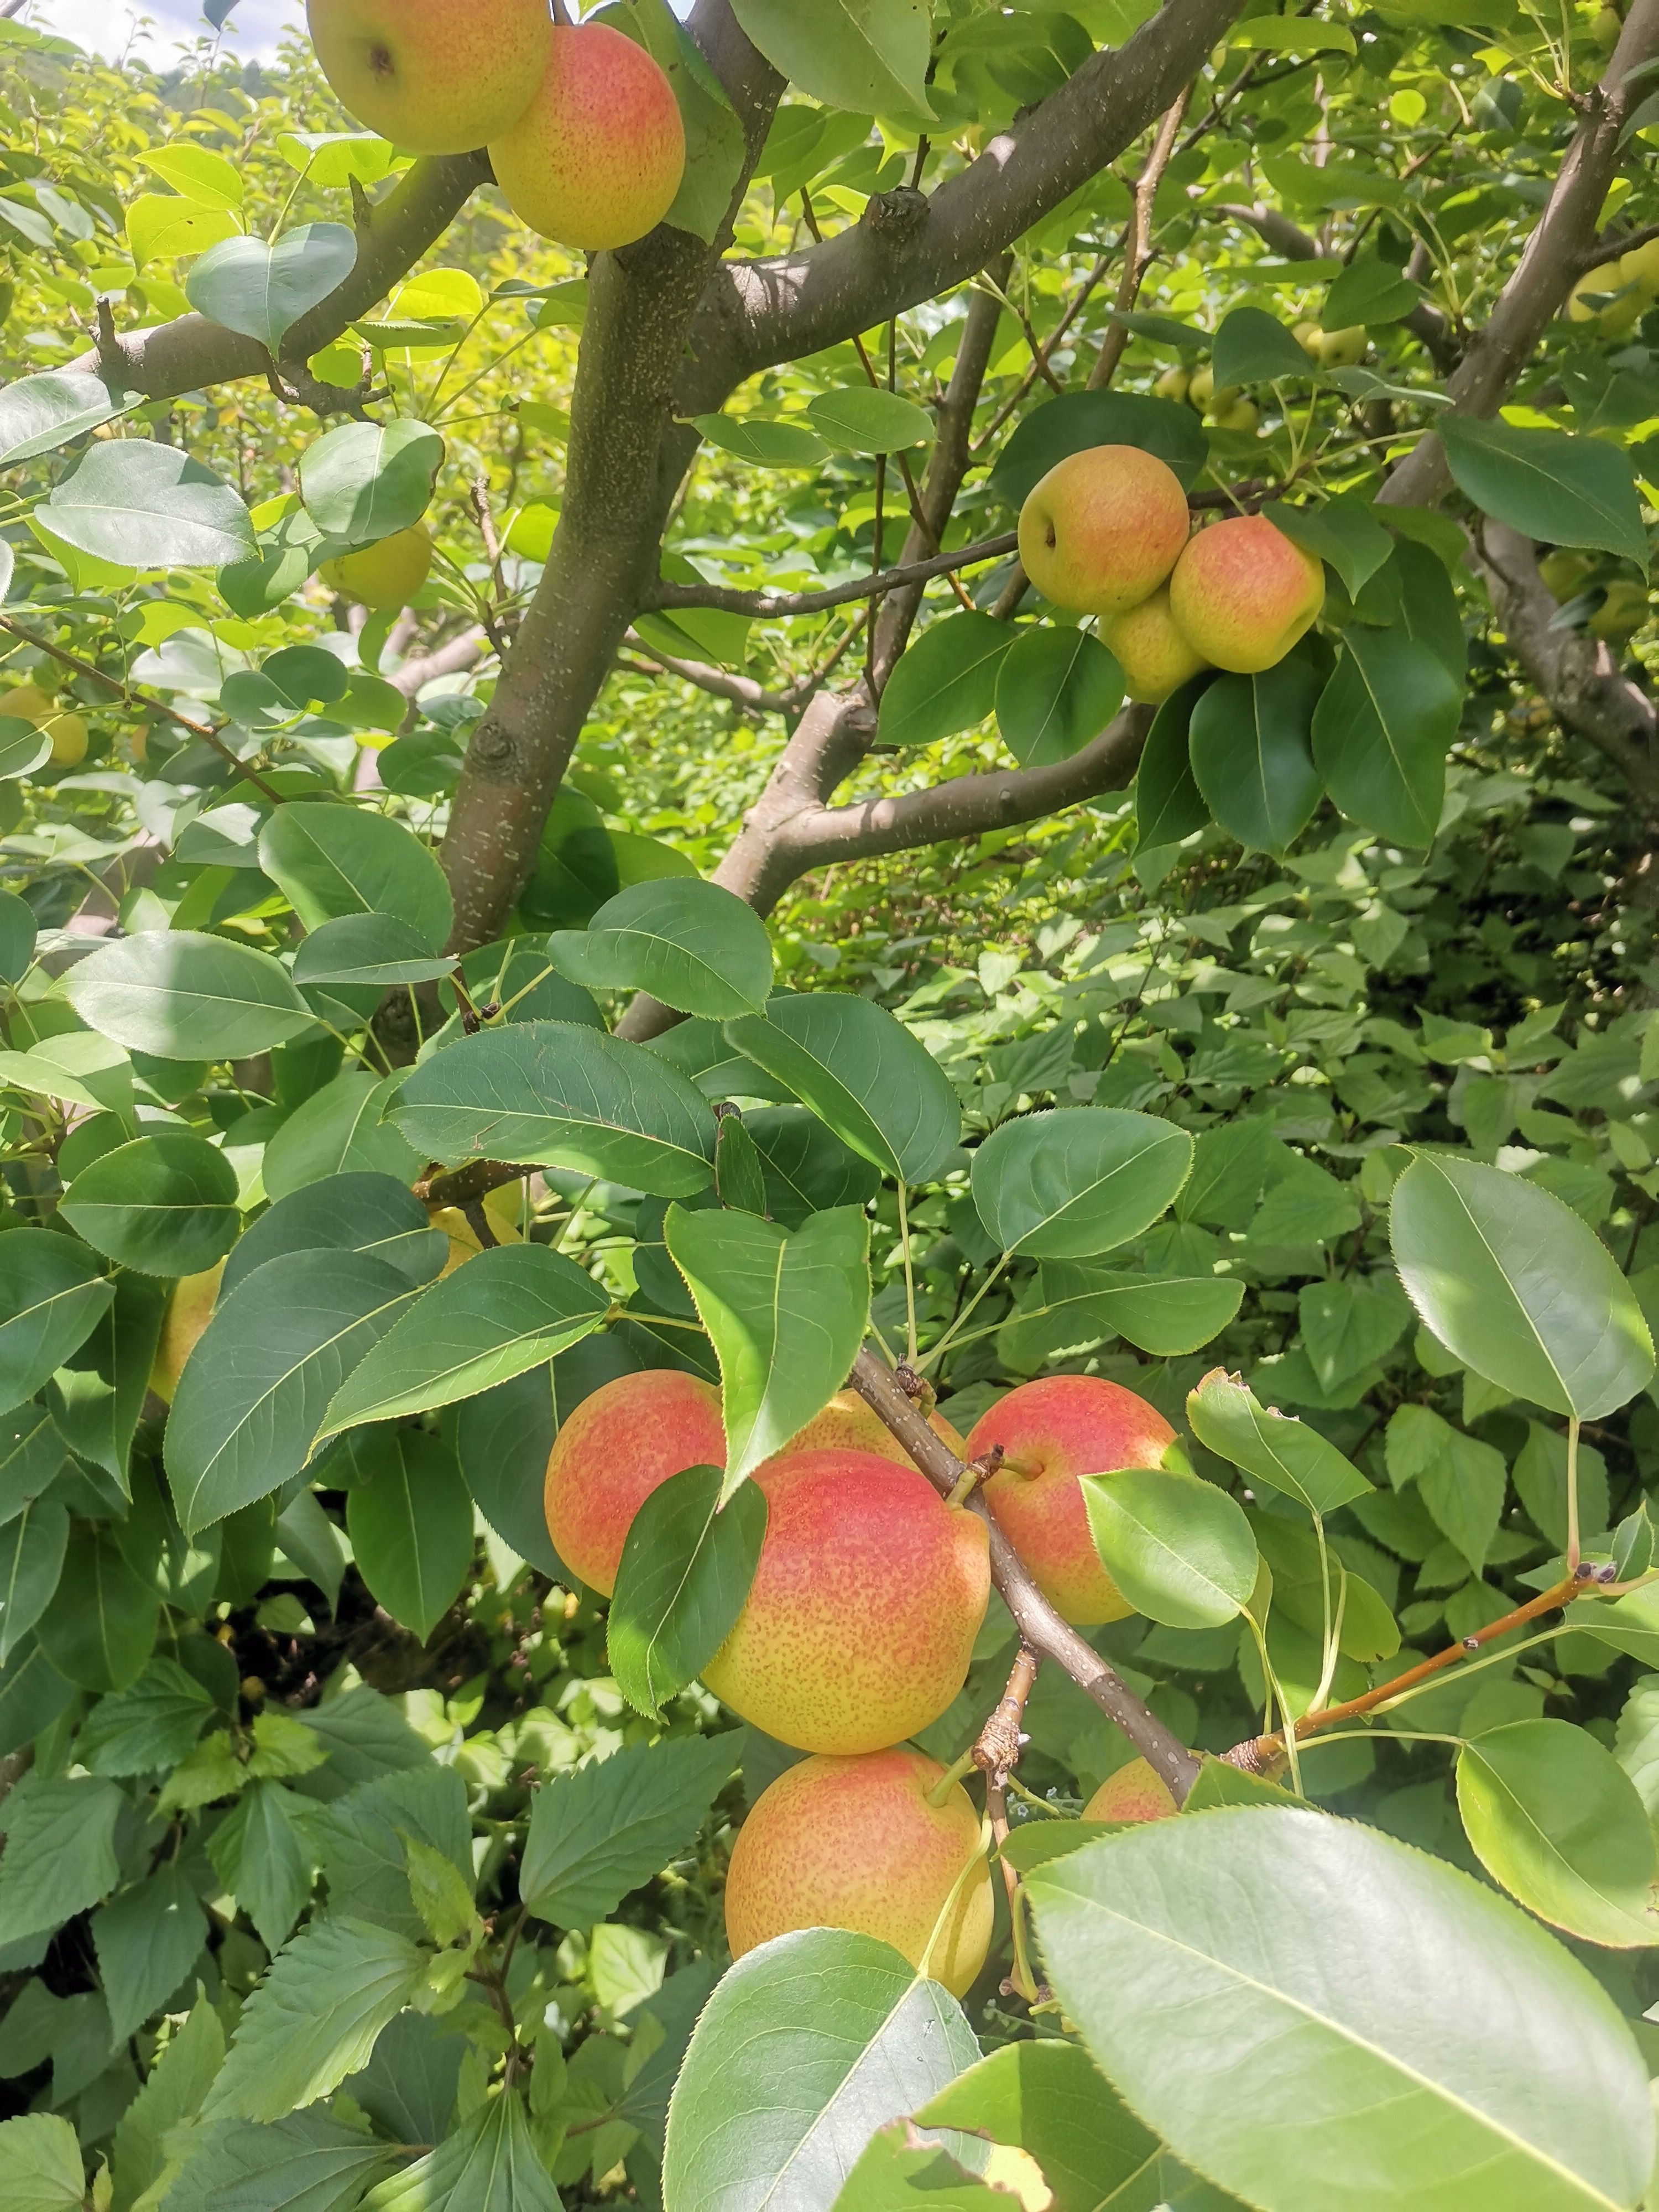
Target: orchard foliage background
x=348 y=1859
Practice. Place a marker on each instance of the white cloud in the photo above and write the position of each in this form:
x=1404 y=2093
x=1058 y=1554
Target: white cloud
x=104 y=26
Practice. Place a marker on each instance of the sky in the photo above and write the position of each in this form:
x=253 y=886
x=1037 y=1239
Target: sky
x=101 y=26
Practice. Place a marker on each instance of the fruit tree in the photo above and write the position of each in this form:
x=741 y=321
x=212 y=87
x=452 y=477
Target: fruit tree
x=829 y=854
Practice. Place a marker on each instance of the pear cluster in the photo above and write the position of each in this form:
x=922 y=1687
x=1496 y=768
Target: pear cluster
x=1107 y=533
x=1618 y=294
x=582 y=126
x=859 y=1630
x=27 y=702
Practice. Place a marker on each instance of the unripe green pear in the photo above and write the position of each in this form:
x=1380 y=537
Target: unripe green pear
x=596 y=159
x=1640 y=267
x=1103 y=529
x=1201 y=387
x=856 y=1844
x=612 y=1451
x=860 y=1621
x=1622 y=612
x=434 y=76
x=1155 y=657
x=1173 y=384
x=1053 y=1432
x=190 y=1309
x=1242 y=593
x=1133 y=1793
x=1566 y=572
x=387 y=575
x=1605 y=27
x=1240 y=415
x=1342 y=348
x=1309 y=337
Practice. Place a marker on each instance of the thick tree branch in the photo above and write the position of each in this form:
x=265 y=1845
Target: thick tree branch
x=1578 y=674
x=453 y=657
x=762 y=312
x=190 y=352
x=1551 y=260
x=1040 y=1626
x=772 y=606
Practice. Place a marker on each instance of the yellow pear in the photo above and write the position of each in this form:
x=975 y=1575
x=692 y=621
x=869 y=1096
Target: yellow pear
x=188 y=1311
x=1342 y=348
x=1173 y=384
x=501 y=1206
x=388 y=575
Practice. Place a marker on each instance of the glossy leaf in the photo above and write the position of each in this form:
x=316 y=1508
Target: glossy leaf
x=687 y=1566
x=39 y=414
x=1252 y=757
x=339 y=1130
x=1189 y=1952
x=1253 y=347
x=1381 y=731
x=52 y=1294
x=603 y=1831
x=860 y=54
x=141 y=505
x=1168 y=805
x=357 y=1212
x=178 y=996
x=1077 y=420
x=1076 y=1308
x=375 y=949
x=946 y=682
x=257 y=1389
x=786 y=1312
x=505 y=1309
x=166 y=1204
x=863 y=418
x=1517 y=1286
x=1554 y=1818
x=367 y=480
x=1271 y=1447
x=31 y=1547
x=334 y=861
x=860 y=1070
x=1179 y=1549
x=491 y=2164
x=1344 y=533
x=261 y=290
x=694 y=946
x=1565 y=491
x=100 y=1628
x=804 y=1166
x=838 y=2036
x=1072 y=1184
x=557 y=1094
x=411 y=1523
x=1056 y=692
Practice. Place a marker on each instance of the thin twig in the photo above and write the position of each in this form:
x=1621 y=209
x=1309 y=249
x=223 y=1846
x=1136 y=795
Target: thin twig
x=772 y=605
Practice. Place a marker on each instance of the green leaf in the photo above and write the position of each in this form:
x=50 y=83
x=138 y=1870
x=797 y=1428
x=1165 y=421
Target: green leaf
x=97 y=1396
x=409 y=1520
x=142 y=505
x=897 y=2169
x=1078 y=1180
x=739 y=1179
x=19 y=931
x=1381 y=731
x=764 y=445
x=1348 y=1323
x=868 y=56
x=1514 y=1285
x=368 y=480
x=39 y=414
x=1168 y=805
x=373 y=949
x=946 y=682
x=807 y=2047
x=1554 y=1818
x=1179 y=1549
x=1076 y=1308
x=1285 y=1454
x=31 y=1456
x=1369 y=290
x=166 y=1204
x=555 y=1094
x=100 y=1627
x=305 y=2162
x=804 y=1166
x=334 y=861
x=356 y=1213
x=1563 y=490
x=863 y=418
x=147 y=1939
x=262 y=291
x=502 y=1437
x=490 y=2165
x=339 y=1131
x=1253 y=347
x=686 y=1570
x=786 y=1312
x=612 y=1826
x=362 y=1843
x=1078 y=420
x=178 y=996
x=60 y=1852
x=1428 y=604
x=208 y=178
x=154 y=1724
x=172 y=2094
x=1403 y=1988
x=860 y=1070
x=694 y=946
x=257 y=1389
x=50 y=1297
x=261 y=1851
x=40 y=2168
x=508 y=1309
x=1251 y=739
x=314 y=2018
x=1056 y=692
x=31 y=1547
x=1464 y=1485
x=1344 y=533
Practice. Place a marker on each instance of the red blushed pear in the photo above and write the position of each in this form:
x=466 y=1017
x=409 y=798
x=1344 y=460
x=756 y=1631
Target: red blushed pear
x=1053 y=1432
x=596 y=159
x=1103 y=529
x=1242 y=593
x=857 y=1843
x=613 y=1451
x=860 y=1623
x=847 y=1424
x=1133 y=1793
x=1155 y=657
x=434 y=76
